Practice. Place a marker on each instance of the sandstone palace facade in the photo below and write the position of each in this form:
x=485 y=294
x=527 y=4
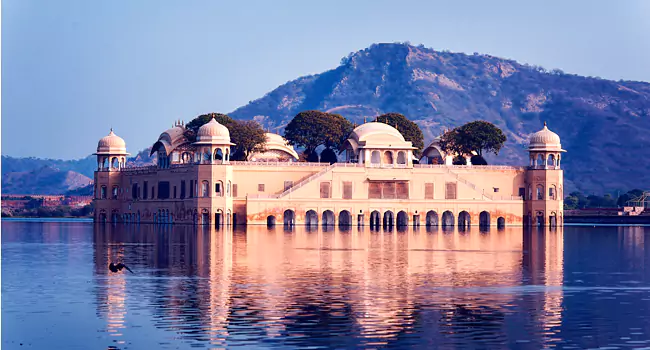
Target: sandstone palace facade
x=379 y=184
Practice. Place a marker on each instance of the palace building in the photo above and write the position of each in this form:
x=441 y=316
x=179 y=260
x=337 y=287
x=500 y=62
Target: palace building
x=380 y=183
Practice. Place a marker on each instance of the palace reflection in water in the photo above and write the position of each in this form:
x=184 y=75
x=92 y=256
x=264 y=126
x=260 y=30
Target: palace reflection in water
x=335 y=288
x=574 y=287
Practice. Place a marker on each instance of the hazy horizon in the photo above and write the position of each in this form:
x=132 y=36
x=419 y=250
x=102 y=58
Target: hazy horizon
x=80 y=68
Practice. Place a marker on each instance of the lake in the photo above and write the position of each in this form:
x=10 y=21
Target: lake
x=198 y=287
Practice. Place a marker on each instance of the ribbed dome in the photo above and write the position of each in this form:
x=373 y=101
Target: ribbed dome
x=545 y=140
x=275 y=142
x=111 y=144
x=213 y=133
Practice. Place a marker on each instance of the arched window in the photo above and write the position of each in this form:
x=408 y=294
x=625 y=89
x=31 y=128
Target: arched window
x=115 y=192
x=228 y=154
x=217 y=189
x=207 y=156
x=228 y=188
x=102 y=192
x=218 y=154
x=205 y=189
x=540 y=192
x=551 y=160
x=530 y=192
x=388 y=157
x=401 y=157
x=552 y=192
x=540 y=160
x=374 y=157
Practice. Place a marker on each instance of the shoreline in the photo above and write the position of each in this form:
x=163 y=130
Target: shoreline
x=568 y=220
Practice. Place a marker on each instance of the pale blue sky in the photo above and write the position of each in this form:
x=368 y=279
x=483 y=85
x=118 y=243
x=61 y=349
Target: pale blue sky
x=73 y=69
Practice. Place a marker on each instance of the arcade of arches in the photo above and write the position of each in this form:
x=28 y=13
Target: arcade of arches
x=387 y=218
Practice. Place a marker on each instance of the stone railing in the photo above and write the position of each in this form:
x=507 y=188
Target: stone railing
x=279 y=164
x=469 y=167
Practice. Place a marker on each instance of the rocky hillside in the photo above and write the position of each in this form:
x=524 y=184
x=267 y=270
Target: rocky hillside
x=45 y=180
x=604 y=124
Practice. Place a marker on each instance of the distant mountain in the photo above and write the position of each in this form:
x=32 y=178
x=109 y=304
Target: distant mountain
x=604 y=124
x=55 y=176
x=84 y=166
x=45 y=180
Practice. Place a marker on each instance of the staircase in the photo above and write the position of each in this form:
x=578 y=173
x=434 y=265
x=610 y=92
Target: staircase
x=306 y=181
x=473 y=186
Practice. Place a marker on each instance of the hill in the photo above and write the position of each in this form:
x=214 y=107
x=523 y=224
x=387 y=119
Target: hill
x=45 y=180
x=55 y=176
x=604 y=124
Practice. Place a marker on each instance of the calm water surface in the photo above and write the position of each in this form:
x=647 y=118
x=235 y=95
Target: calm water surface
x=577 y=287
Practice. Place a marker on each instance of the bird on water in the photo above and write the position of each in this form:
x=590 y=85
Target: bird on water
x=118 y=267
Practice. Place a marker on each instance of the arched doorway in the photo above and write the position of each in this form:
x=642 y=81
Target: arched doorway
x=205 y=217
x=432 y=218
x=447 y=218
x=288 y=217
x=328 y=218
x=464 y=219
x=501 y=222
x=270 y=221
x=311 y=218
x=375 y=219
x=389 y=219
x=218 y=218
x=402 y=219
x=484 y=219
x=345 y=218
x=552 y=219
x=539 y=218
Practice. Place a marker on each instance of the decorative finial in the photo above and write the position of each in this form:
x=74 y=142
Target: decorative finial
x=545 y=123
x=365 y=119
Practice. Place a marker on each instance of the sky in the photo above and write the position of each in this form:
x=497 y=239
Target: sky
x=71 y=70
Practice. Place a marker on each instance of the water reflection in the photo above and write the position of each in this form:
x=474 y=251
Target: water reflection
x=332 y=288
x=579 y=287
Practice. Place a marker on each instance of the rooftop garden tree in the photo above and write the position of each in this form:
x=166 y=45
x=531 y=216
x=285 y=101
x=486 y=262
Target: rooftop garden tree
x=248 y=136
x=310 y=129
x=473 y=138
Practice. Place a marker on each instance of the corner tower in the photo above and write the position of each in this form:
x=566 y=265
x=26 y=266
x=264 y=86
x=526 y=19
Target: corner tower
x=111 y=159
x=544 y=203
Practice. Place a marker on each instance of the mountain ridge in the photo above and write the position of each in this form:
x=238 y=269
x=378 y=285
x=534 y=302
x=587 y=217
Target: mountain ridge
x=440 y=90
x=604 y=124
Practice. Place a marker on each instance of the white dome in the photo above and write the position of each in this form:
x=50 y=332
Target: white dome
x=377 y=133
x=213 y=133
x=545 y=140
x=111 y=144
x=275 y=142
